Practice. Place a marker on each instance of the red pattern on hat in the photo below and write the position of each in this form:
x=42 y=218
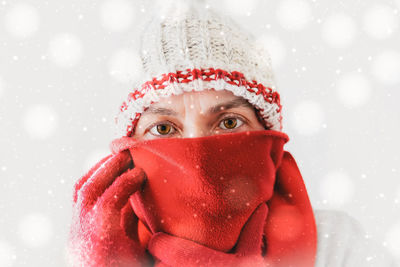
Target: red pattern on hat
x=206 y=74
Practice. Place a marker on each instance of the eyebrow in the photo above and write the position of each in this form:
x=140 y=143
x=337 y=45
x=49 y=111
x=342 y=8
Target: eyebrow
x=237 y=102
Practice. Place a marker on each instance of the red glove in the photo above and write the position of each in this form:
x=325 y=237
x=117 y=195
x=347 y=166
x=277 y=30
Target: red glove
x=104 y=227
x=175 y=251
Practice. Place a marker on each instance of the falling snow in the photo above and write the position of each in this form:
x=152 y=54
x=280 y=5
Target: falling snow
x=2 y=87
x=339 y=30
x=65 y=50
x=336 y=189
x=353 y=89
x=308 y=117
x=381 y=21
x=35 y=230
x=40 y=121
x=275 y=48
x=293 y=14
x=386 y=67
x=22 y=20
x=66 y=66
x=124 y=66
x=7 y=254
x=117 y=15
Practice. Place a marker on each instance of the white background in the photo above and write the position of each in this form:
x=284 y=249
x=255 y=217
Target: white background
x=66 y=66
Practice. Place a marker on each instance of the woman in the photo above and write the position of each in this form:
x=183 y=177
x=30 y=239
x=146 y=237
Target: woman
x=198 y=175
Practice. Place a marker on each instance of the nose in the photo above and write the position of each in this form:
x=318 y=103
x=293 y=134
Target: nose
x=195 y=122
x=193 y=131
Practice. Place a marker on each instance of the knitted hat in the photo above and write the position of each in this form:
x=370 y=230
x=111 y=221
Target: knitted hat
x=186 y=46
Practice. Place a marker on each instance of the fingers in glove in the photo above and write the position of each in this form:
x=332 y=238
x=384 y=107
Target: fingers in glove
x=103 y=178
x=250 y=239
x=117 y=195
x=84 y=178
x=129 y=222
x=175 y=251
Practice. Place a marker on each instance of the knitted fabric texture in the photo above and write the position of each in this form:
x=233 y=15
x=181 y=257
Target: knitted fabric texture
x=202 y=192
x=185 y=47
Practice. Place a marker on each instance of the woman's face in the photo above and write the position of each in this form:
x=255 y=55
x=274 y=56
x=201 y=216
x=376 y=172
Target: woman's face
x=197 y=114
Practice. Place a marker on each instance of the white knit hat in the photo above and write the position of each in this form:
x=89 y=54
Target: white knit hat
x=186 y=46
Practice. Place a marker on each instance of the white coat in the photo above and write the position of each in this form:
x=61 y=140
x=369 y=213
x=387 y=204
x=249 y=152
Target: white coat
x=342 y=242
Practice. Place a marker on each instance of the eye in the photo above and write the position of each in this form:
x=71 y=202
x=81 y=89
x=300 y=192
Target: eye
x=162 y=129
x=230 y=123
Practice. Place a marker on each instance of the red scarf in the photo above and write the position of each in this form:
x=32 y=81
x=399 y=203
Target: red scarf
x=205 y=189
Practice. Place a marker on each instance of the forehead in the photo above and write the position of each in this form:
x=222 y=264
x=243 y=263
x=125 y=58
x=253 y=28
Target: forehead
x=205 y=102
x=205 y=97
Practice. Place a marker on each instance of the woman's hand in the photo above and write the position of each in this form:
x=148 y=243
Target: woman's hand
x=174 y=251
x=104 y=227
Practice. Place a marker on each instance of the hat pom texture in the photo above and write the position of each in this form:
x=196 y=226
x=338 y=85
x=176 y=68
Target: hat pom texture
x=186 y=46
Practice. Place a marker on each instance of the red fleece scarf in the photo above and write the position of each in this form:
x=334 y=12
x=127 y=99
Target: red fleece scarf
x=205 y=190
